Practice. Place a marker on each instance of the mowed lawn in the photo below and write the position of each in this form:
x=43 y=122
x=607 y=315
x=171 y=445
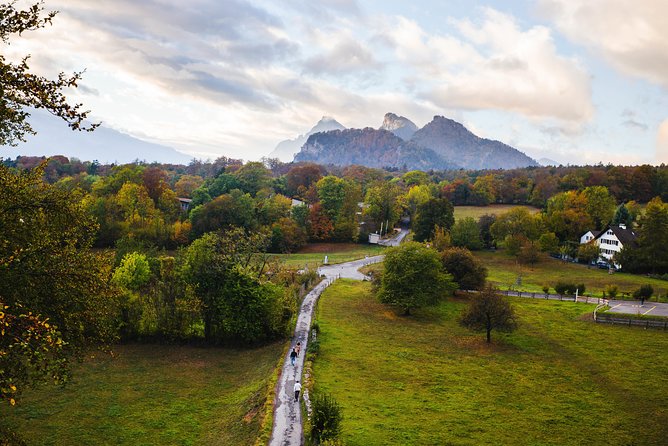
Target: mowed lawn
x=424 y=380
x=313 y=255
x=493 y=209
x=504 y=269
x=152 y=395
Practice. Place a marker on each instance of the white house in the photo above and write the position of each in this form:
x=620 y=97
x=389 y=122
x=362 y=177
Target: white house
x=610 y=241
x=184 y=203
x=589 y=236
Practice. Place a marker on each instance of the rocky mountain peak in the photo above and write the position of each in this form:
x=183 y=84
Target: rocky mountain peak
x=402 y=127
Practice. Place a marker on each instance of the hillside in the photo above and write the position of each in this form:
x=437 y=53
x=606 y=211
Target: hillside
x=456 y=144
x=286 y=150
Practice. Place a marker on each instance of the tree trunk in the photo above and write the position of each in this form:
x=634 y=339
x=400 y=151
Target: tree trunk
x=489 y=335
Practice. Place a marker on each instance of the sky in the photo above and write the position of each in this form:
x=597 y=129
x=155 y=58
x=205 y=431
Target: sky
x=575 y=81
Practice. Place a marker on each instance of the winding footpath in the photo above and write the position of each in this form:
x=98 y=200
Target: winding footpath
x=288 y=427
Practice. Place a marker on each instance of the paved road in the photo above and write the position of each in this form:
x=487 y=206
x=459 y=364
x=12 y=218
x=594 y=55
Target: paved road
x=288 y=428
x=616 y=306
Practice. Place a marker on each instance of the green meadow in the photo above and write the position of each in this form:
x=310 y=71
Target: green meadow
x=559 y=379
x=152 y=395
x=493 y=209
x=313 y=255
x=503 y=271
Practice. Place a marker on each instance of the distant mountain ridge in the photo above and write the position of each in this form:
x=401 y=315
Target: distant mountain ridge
x=441 y=144
x=456 y=143
x=286 y=150
x=369 y=147
x=105 y=145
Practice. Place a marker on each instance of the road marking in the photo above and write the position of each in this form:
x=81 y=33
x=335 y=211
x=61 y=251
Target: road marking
x=650 y=309
x=615 y=306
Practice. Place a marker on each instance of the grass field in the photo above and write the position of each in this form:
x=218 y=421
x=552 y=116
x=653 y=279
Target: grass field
x=314 y=254
x=152 y=395
x=424 y=380
x=477 y=211
x=503 y=271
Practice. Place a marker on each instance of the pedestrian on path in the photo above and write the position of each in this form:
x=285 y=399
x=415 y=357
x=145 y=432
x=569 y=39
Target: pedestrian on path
x=298 y=388
x=298 y=349
x=293 y=356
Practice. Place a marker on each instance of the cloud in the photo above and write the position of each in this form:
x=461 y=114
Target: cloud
x=630 y=35
x=494 y=65
x=633 y=124
x=341 y=57
x=662 y=143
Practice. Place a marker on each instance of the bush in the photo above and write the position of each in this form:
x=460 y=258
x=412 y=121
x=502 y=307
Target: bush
x=546 y=289
x=326 y=419
x=466 y=269
x=611 y=291
x=644 y=292
x=581 y=288
x=562 y=287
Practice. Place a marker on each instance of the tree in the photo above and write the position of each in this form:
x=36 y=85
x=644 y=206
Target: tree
x=49 y=280
x=185 y=186
x=466 y=233
x=517 y=222
x=383 y=204
x=548 y=242
x=489 y=311
x=600 y=205
x=133 y=272
x=466 y=269
x=253 y=176
x=20 y=89
x=485 y=222
x=588 y=252
x=622 y=216
x=435 y=212
x=644 y=292
x=413 y=278
x=653 y=236
x=326 y=419
x=529 y=252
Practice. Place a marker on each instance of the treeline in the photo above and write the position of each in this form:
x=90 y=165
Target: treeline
x=137 y=205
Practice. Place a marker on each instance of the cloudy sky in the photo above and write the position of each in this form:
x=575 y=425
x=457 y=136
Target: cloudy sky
x=577 y=81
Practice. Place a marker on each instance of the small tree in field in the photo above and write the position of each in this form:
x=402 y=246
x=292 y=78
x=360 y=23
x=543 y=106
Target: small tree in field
x=644 y=292
x=413 y=277
x=489 y=311
x=326 y=420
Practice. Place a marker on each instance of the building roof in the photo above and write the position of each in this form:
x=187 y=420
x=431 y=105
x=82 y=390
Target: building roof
x=626 y=236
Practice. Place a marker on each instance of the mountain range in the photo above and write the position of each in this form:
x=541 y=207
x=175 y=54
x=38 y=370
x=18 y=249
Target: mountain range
x=286 y=150
x=441 y=144
x=105 y=145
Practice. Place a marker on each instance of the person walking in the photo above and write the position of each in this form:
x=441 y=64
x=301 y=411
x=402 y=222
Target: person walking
x=298 y=388
x=293 y=356
x=298 y=349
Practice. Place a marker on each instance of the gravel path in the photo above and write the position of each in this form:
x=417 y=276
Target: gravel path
x=288 y=428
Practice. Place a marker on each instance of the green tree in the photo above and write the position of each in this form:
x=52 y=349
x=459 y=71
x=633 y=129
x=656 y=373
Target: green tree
x=253 y=176
x=435 y=212
x=466 y=233
x=20 y=89
x=588 y=252
x=600 y=205
x=517 y=222
x=644 y=292
x=466 y=269
x=489 y=311
x=548 y=242
x=653 y=236
x=326 y=419
x=622 y=216
x=383 y=205
x=413 y=278
x=331 y=192
x=49 y=280
x=415 y=197
x=133 y=272
x=233 y=209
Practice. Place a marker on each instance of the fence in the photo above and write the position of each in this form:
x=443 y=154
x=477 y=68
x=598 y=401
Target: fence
x=646 y=323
